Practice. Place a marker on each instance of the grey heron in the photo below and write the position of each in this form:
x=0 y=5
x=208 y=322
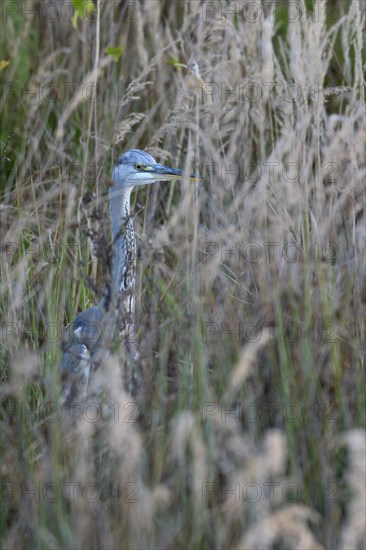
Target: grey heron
x=91 y=333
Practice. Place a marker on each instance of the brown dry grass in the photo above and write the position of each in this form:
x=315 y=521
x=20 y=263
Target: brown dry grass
x=250 y=429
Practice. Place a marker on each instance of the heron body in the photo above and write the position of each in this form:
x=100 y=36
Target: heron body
x=90 y=335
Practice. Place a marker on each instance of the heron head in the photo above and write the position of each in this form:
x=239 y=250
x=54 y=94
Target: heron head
x=135 y=167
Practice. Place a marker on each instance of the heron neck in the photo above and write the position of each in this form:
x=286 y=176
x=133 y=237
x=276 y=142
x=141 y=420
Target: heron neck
x=123 y=250
x=119 y=209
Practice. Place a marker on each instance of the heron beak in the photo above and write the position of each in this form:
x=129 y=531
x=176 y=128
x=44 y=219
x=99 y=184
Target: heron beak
x=165 y=173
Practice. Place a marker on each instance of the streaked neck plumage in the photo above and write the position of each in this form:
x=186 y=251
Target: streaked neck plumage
x=121 y=288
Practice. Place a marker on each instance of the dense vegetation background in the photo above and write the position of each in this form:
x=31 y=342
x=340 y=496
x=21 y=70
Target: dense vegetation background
x=248 y=430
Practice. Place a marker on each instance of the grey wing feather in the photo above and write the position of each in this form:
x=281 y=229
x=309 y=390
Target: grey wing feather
x=85 y=329
x=84 y=342
x=81 y=340
x=75 y=371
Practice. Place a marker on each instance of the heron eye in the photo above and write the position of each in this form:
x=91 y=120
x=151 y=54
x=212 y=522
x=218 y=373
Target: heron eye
x=138 y=166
